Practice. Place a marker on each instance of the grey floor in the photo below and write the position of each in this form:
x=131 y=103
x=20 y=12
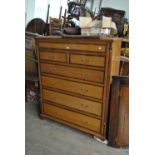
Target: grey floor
x=46 y=137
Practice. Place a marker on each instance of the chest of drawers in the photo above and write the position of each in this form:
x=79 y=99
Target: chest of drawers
x=74 y=81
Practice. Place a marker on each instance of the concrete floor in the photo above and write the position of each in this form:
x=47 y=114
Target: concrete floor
x=46 y=137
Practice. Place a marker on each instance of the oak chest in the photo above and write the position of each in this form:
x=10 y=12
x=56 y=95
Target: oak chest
x=74 y=81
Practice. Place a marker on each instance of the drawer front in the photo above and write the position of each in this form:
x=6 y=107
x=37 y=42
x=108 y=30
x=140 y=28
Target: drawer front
x=80 y=88
x=30 y=67
x=73 y=102
x=81 y=47
x=29 y=53
x=72 y=117
x=87 y=60
x=53 y=56
x=79 y=73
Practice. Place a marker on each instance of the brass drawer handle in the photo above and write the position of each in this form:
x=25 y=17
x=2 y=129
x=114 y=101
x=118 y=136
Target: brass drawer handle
x=85 y=61
x=84 y=106
x=67 y=47
x=84 y=90
x=84 y=122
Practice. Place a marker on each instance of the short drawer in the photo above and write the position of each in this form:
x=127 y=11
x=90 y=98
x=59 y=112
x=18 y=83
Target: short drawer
x=72 y=117
x=72 y=101
x=53 y=56
x=79 y=73
x=87 y=60
x=81 y=47
x=75 y=87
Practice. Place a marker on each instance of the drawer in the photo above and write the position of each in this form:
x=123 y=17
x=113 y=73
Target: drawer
x=30 y=67
x=29 y=53
x=81 y=47
x=87 y=60
x=72 y=117
x=53 y=56
x=73 y=102
x=79 y=73
x=80 y=88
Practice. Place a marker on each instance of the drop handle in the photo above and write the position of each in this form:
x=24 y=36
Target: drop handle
x=84 y=106
x=85 y=60
x=84 y=90
x=84 y=122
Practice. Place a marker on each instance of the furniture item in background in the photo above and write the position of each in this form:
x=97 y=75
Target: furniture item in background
x=75 y=81
x=72 y=31
x=117 y=17
x=36 y=25
x=120 y=57
x=118 y=133
x=30 y=53
x=116 y=52
x=31 y=64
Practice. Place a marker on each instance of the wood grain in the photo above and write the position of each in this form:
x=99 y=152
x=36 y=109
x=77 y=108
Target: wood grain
x=76 y=87
x=72 y=117
x=73 y=102
x=87 y=60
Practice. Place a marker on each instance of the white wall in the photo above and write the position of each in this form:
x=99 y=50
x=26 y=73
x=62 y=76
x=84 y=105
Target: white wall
x=29 y=10
x=55 y=8
x=38 y=8
x=41 y=7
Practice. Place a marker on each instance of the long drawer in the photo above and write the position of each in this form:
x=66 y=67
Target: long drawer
x=81 y=47
x=79 y=73
x=79 y=88
x=53 y=56
x=73 y=102
x=87 y=60
x=72 y=117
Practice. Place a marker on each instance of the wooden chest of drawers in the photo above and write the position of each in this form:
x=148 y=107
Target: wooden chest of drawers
x=74 y=81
